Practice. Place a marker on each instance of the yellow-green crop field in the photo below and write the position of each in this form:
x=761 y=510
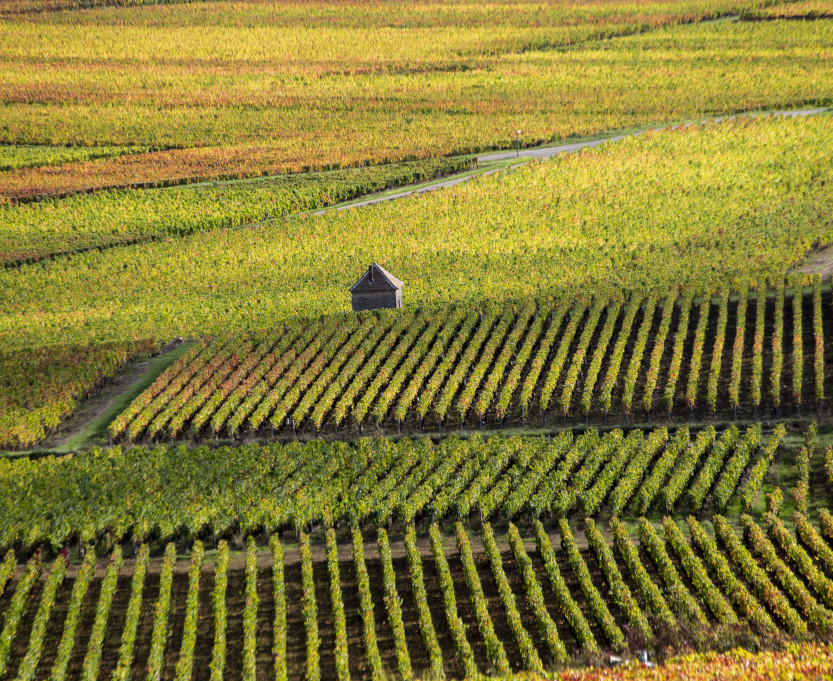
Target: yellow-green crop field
x=699 y=207
x=641 y=329
x=123 y=216
x=233 y=89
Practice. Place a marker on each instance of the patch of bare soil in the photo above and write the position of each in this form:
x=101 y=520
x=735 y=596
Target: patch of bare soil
x=818 y=262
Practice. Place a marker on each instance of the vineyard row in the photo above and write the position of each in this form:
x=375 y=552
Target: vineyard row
x=432 y=607
x=465 y=366
x=175 y=492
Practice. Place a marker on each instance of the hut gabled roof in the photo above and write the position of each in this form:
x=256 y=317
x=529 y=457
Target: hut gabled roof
x=376 y=278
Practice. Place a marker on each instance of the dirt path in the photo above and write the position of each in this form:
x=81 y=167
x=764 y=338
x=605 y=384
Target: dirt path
x=87 y=425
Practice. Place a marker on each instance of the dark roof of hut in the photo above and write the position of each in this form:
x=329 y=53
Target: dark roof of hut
x=376 y=278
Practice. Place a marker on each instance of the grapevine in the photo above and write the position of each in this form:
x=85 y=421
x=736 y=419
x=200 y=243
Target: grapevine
x=679 y=597
x=557 y=363
x=777 y=348
x=455 y=624
x=635 y=363
x=108 y=590
x=717 y=352
x=619 y=591
x=426 y=625
x=131 y=624
x=393 y=608
x=218 y=599
x=776 y=568
x=185 y=665
x=597 y=606
x=697 y=352
x=612 y=375
x=159 y=634
x=758 y=345
x=758 y=579
x=308 y=607
x=737 y=349
x=711 y=596
x=818 y=338
x=579 y=355
x=73 y=618
x=29 y=664
x=529 y=655
x=651 y=595
x=734 y=589
x=535 y=597
x=371 y=646
x=494 y=648
x=601 y=349
x=677 y=356
x=538 y=362
x=798 y=342
x=656 y=354
x=569 y=608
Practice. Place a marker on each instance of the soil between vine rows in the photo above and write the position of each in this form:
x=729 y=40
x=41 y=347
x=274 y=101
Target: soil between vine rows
x=296 y=638
x=296 y=635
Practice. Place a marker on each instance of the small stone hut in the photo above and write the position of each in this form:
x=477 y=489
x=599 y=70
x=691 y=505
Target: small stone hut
x=377 y=288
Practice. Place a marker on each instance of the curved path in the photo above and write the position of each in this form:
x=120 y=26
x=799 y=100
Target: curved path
x=526 y=155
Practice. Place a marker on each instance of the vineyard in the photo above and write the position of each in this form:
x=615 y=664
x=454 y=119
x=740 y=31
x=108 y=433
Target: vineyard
x=807 y=660
x=596 y=440
x=98 y=220
x=14 y=7
x=490 y=246
x=297 y=89
x=40 y=387
x=816 y=10
x=491 y=242
x=742 y=355
x=17 y=156
x=645 y=230
x=330 y=561
x=172 y=492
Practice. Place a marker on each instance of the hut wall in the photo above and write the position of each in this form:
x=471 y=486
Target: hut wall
x=374 y=300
